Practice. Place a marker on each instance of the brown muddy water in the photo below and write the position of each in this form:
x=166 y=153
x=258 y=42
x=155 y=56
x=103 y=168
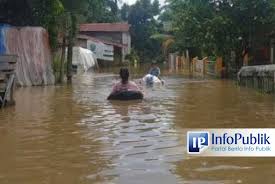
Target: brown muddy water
x=72 y=135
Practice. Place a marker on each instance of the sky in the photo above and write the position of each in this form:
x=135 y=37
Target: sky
x=133 y=1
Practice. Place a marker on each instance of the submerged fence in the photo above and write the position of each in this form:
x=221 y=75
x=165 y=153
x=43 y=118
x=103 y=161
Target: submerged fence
x=198 y=67
x=258 y=77
x=211 y=68
x=206 y=67
x=179 y=62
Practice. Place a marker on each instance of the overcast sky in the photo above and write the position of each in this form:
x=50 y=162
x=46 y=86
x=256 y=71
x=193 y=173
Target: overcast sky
x=133 y=1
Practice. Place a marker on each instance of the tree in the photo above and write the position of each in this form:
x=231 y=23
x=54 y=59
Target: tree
x=43 y=13
x=124 y=12
x=102 y=11
x=217 y=27
x=16 y=12
x=73 y=9
x=141 y=16
x=47 y=14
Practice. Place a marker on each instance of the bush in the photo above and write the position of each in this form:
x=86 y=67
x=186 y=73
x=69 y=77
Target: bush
x=132 y=57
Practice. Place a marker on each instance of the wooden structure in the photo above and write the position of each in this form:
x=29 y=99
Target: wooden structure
x=198 y=67
x=176 y=62
x=7 y=78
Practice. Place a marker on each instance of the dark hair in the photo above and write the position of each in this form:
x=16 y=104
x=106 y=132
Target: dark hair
x=124 y=74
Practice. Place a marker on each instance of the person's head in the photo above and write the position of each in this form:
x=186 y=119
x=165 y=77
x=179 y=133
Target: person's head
x=153 y=64
x=124 y=75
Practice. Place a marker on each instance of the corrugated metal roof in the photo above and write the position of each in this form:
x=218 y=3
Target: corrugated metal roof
x=105 y=27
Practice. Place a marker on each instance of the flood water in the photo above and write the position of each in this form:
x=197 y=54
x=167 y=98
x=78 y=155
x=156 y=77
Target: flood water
x=72 y=135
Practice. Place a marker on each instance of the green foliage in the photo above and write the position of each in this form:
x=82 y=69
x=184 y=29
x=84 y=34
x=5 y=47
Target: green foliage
x=16 y=12
x=133 y=56
x=56 y=65
x=141 y=16
x=217 y=27
x=54 y=14
x=161 y=37
x=124 y=12
x=33 y=13
x=102 y=11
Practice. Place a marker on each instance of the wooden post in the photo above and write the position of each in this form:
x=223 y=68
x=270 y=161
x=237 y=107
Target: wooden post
x=272 y=55
x=205 y=61
x=272 y=51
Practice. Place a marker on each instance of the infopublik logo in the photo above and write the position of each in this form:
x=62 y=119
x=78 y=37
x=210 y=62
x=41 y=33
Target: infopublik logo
x=231 y=142
x=197 y=142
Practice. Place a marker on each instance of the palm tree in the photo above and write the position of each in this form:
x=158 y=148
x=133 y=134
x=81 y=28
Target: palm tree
x=166 y=40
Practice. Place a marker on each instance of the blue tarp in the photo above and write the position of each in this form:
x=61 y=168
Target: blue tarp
x=3 y=28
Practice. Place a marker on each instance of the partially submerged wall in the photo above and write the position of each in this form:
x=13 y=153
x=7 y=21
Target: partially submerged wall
x=31 y=45
x=259 y=77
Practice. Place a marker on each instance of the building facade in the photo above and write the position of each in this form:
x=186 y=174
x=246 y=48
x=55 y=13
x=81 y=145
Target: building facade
x=109 y=36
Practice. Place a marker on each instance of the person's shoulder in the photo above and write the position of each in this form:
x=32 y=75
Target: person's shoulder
x=132 y=83
x=117 y=83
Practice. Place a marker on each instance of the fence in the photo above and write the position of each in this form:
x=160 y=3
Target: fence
x=7 y=77
x=178 y=62
x=211 y=68
x=199 y=67
x=205 y=67
x=258 y=77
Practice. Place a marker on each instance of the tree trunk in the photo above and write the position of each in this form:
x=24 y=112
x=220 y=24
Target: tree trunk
x=61 y=76
x=69 y=60
x=72 y=34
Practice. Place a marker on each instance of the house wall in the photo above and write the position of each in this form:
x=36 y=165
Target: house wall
x=126 y=39
x=117 y=37
x=81 y=43
x=108 y=36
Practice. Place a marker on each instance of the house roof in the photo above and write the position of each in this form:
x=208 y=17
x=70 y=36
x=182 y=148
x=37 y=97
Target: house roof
x=85 y=37
x=105 y=27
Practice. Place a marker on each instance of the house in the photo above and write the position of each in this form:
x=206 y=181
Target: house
x=109 y=41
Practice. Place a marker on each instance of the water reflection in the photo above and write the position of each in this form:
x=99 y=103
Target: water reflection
x=221 y=104
x=139 y=136
x=44 y=142
x=227 y=170
x=74 y=135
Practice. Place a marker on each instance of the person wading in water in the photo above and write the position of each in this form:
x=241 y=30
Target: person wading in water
x=153 y=73
x=154 y=70
x=125 y=84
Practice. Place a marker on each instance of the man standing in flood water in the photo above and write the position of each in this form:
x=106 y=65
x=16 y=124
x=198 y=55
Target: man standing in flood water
x=154 y=70
x=153 y=75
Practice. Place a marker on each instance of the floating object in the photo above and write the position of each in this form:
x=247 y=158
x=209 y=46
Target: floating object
x=151 y=80
x=126 y=95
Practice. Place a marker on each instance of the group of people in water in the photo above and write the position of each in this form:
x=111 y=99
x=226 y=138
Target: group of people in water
x=127 y=90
